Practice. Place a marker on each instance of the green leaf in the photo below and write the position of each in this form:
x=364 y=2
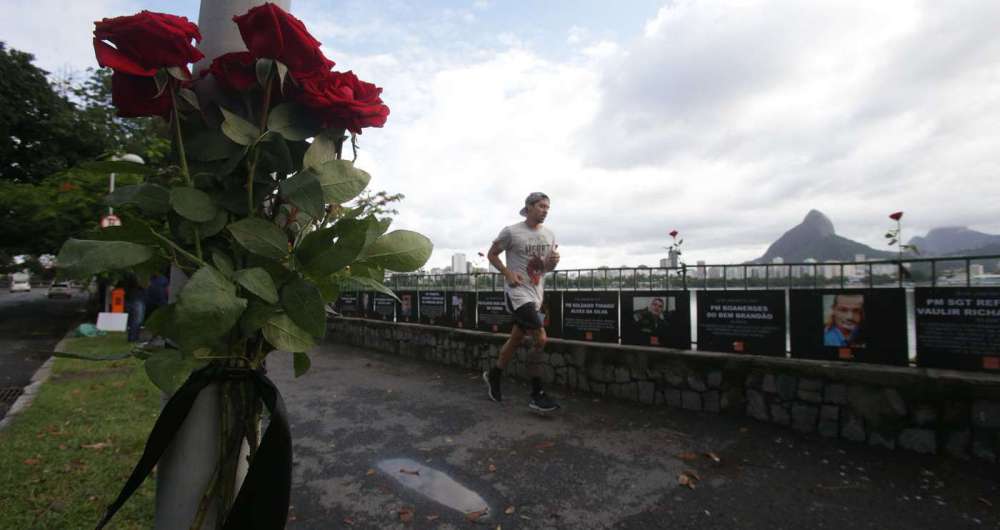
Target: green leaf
x=206 y=309
x=254 y=318
x=238 y=129
x=400 y=251
x=110 y=347
x=260 y=237
x=169 y=369
x=341 y=181
x=275 y=158
x=112 y=166
x=189 y=97
x=263 y=70
x=181 y=73
x=301 y=362
x=81 y=258
x=223 y=262
x=365 y=269
x=193 y=204
x=304 y=191
x=185 y=228
x=210 y=145
x=323 y=148
x=321 y=259
x=161 y=78
x=161 y=321
x=370 y=284
x=329 y=288
x=151 y=198
x=258 y=282
x=294 y=121
x=304 y=305
x=282 y=332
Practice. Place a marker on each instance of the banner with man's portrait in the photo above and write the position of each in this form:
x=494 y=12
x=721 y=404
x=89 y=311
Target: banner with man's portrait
x=852 y=325
x=406 y=308
x=742 y=322
x=656 y=318
x=461 y=309
x=958 y=327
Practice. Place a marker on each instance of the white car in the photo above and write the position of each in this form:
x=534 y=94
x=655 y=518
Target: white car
x=60 y=290
x=19 y=283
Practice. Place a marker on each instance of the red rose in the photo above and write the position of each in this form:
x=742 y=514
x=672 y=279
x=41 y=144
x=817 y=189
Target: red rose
x=343 y=100
x=145 y=42
x=673 y=233
x=135 y=96
x=269 y=31
x=234 y=71
x=896 y=216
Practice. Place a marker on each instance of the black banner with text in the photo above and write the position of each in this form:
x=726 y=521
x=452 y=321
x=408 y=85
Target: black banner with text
x=742 y=322
x=958 y=327
x=590 y=315
x=433 y=308
x=493 y=314
x=349 y=305
x=855 y=325
x=657 y=318
x=383 y=307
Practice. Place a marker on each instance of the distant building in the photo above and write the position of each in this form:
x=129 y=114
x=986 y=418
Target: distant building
x=458 y=263
x=673 y=256
x=976 y=269
x=700 y=270
x=664 y=263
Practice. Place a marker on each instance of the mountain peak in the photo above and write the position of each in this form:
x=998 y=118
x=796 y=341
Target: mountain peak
x=820 y=224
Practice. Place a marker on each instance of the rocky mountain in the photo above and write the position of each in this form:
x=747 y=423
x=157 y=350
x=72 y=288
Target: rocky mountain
x=816 y=238
x=955 y=240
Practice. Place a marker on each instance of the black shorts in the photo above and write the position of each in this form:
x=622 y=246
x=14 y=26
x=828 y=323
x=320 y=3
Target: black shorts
x=527 y=316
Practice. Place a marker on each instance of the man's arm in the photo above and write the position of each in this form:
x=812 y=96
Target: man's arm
x=494 y=257
x=552 y=259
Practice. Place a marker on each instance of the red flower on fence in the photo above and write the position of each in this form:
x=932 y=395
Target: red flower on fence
x=896 y=216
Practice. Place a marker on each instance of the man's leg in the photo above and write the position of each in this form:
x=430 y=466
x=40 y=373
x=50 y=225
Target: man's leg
x=539 y=399
x=494 y=375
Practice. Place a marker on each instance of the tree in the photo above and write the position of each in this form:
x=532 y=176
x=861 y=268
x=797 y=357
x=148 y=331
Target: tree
x=40 y=132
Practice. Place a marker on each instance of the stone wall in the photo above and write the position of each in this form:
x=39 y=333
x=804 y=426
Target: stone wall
x=917 y=409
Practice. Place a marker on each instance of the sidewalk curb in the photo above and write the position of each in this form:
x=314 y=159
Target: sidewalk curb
x=28 y=395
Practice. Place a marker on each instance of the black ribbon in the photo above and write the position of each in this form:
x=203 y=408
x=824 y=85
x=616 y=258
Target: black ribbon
x=262 y=502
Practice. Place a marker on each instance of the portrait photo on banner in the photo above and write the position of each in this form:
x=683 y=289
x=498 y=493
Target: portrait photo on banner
x=844 y=320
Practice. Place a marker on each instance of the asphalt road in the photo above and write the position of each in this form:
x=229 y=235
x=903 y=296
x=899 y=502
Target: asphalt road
x=377 y=438
x=30 y=327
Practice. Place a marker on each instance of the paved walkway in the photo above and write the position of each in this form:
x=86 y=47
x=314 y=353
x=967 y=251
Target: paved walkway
x=365 y=424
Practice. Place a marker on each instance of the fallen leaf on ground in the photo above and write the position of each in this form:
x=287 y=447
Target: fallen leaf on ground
x=493 y=468
x=370 y=472
x=118 y=384
x=409 y=472
x=32 y=461
x=984 y=501
x=348 y=521
x=688 y=478
x=433 y=517
x=545 y=445
x=509 y=510
x=97 y=447
x=693 y=474
x=474 y=516
x=405 y=515
x=687 y=456
x=713 y=457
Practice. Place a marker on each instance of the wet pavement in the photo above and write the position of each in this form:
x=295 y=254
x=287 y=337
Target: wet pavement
x=30 y=327
x=387 y=442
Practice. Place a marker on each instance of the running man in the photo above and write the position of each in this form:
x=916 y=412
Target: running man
x=531 y=252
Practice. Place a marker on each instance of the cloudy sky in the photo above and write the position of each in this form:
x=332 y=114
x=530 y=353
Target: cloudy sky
x=727 y=120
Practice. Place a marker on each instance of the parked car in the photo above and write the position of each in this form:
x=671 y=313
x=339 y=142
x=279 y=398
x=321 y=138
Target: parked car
x=60 y=290
x=19 y=282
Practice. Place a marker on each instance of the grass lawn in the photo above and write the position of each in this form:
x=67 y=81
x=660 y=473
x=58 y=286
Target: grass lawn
x=66 y=457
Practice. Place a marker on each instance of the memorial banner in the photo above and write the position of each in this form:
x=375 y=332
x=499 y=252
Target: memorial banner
x=384 y=307
x=854 y=325
x=406 y=308
x=433 y=308
x=366 y=305
x=461 y=309
x=348 y=305
x=742 y=322
x=552 y=311
x=493 y=314
x=958 y=327
x=657 y=318
x=590 y=315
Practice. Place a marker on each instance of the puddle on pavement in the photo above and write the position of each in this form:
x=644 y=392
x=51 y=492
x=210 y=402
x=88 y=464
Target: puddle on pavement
x=433 y=484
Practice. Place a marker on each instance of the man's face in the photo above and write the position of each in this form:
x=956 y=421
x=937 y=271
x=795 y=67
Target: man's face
x=656 y=306
x=539 y=211
x=848 y=311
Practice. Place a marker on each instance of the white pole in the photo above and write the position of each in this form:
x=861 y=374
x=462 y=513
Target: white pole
x=186 y=467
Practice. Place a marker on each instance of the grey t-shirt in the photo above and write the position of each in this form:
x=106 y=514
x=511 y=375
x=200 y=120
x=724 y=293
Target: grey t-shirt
x=526 y=250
